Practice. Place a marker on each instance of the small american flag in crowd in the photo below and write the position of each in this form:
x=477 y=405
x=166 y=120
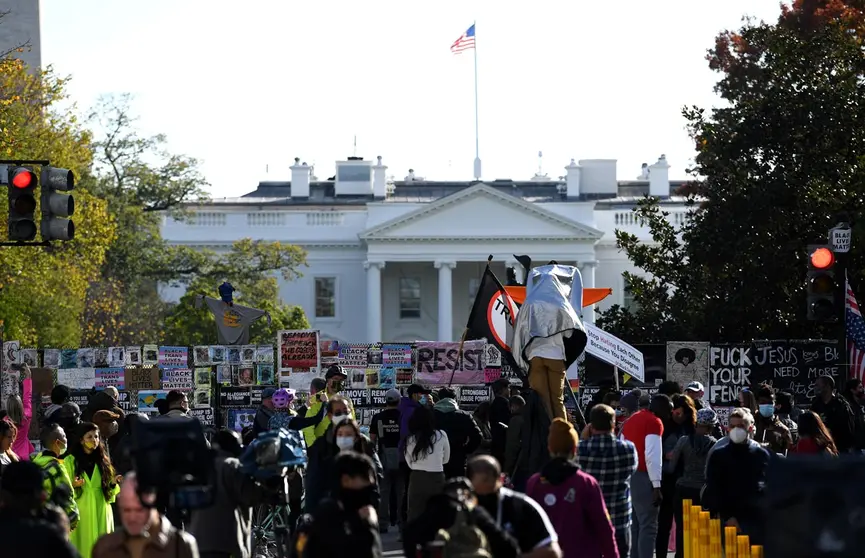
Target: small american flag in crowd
x=465 y=42
x=855 y=336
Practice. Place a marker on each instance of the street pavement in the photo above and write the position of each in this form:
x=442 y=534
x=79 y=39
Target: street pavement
x=391 y=545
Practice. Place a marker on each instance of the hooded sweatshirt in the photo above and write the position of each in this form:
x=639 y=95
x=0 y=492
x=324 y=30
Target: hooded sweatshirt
x=575 y=505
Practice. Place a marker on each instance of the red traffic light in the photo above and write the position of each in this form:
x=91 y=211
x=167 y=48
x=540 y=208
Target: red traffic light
x=23 y=179
x=822 y=258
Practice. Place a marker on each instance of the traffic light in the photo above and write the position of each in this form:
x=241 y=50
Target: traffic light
x=21 y=186
x=57 y=207
x=825 y=296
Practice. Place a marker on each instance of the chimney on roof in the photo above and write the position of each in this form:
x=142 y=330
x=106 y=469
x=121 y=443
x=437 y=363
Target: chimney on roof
x=300 y=174
x=659 y=178
x=572 y=180
x=644 y=172
x=379 y=179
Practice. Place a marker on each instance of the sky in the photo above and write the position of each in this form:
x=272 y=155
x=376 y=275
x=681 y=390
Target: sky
x=247 y=91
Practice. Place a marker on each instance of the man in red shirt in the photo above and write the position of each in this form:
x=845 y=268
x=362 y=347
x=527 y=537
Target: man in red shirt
x=645 y=429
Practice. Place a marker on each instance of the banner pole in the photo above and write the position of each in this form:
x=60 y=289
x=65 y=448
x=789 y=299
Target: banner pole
x=459 y=355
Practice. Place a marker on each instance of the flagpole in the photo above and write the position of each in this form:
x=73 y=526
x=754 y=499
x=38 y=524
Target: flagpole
x=477 y=136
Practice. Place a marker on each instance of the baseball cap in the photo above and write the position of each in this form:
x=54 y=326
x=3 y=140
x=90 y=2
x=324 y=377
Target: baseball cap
x=334 y=371
x=393 y=394
x=694 y=386
x=267 y=393
x=417 y=388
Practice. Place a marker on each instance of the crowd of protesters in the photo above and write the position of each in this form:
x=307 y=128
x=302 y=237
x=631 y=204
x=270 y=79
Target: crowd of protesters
x=438 y=475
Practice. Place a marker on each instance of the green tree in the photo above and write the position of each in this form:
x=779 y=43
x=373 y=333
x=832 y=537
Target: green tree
x=44 y=288
x=248 y=268
x=777 y=163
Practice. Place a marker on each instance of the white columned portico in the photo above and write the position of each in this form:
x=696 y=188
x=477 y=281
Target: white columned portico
x=446 y=300
x=587 y=271
x=373 y=300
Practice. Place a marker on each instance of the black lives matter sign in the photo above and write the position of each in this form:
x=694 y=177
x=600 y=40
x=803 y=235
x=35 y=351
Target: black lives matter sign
x=792 y=366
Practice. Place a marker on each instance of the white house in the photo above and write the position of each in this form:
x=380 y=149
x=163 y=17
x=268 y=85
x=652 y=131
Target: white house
x=400 y=260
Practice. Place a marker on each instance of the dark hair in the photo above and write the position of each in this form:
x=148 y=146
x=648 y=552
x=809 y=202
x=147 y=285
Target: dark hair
x=685 y=352
x=483 y=465
x=811 y=425
x=685 y=403
x=517 y=401
x=161 y=405
x=602 y=417
x=50 y=434
x=76 y=450
x=422 y=429
x=60 y=394
x=784 y=400
x=354 y=465
x=501 y=384
x=360 y=444
x=851 y=385
x=669 y=388
x=318 y=384
x=765 y=392
x=228 y=441
x=828 y=380
x=612 y=396
x=7 y=428
x=174 y=396
x=447 y=393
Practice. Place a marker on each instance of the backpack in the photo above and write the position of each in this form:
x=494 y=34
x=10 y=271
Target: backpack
x=463 y=539
x=279 y=419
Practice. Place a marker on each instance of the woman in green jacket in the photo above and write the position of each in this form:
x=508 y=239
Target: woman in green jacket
x=95 y=485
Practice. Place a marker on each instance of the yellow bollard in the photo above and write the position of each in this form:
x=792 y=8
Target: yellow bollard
x=730 y=545
x=744 y=545
x=695 y=532
x=704 y=534
x=715 y=538
x=686 y=527
x=756 y=551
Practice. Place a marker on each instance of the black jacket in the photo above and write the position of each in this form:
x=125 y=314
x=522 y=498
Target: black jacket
x=30 y=536
x=838 y=418
x=464 y=435
x=335 y=531
x=500 y=417
x=735 y=477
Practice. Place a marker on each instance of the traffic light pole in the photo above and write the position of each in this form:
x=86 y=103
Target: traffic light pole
x=21 y=162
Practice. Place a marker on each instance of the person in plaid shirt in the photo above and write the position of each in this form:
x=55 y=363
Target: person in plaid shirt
x=611 y=461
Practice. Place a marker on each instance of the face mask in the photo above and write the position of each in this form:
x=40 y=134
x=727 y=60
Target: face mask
x=767 y=410
x=61 y=450
x=338 y=419
x=354 y=499
x=345 y=442
x=738 y=435
x=489 y=502
x=423 y=400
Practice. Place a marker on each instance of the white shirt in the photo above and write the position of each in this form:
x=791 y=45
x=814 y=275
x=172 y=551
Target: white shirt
x=552 y=347
x=434 y=461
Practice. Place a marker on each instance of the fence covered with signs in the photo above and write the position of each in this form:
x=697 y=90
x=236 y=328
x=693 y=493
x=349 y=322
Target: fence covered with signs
x=224 y=383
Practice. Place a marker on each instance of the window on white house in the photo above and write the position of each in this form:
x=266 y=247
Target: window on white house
x=409 y=298
x=628 y=301
x=325 y=297
x=474 y=285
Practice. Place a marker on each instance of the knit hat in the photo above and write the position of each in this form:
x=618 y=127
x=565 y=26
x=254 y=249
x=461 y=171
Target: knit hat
x=707 y=417
x=563 y=438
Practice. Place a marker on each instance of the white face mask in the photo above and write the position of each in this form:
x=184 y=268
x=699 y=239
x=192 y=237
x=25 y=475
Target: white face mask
x=345 y=443
x=338 y=419
x=738 y=435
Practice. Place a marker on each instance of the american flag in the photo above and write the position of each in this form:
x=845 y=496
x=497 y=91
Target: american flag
x=465 y=42
x=855 y=336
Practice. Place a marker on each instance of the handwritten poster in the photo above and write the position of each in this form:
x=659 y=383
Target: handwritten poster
x=173 y=357
x=77 y=378
x=141 y=378
x=442 y=363
x=107 y=377
x=298 y=349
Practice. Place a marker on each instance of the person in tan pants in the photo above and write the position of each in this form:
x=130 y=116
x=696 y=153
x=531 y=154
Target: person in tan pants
x=547 y=372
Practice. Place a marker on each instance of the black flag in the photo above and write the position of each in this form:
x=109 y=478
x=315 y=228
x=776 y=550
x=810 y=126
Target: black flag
x=492 y=317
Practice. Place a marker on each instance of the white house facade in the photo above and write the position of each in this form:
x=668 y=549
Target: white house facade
x=401 y=260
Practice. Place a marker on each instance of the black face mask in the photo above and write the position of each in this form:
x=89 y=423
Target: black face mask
x=354 y=499
x=489 y=502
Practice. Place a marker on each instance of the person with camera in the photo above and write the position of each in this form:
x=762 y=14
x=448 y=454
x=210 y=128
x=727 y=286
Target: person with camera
x=347 y=520
x=145 y=532
x=25 y=529
x=224 y=530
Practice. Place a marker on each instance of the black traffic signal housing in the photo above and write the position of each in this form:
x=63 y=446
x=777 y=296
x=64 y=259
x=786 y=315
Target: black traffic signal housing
x=56 y=207
x=825 y=286
x=21 y=185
